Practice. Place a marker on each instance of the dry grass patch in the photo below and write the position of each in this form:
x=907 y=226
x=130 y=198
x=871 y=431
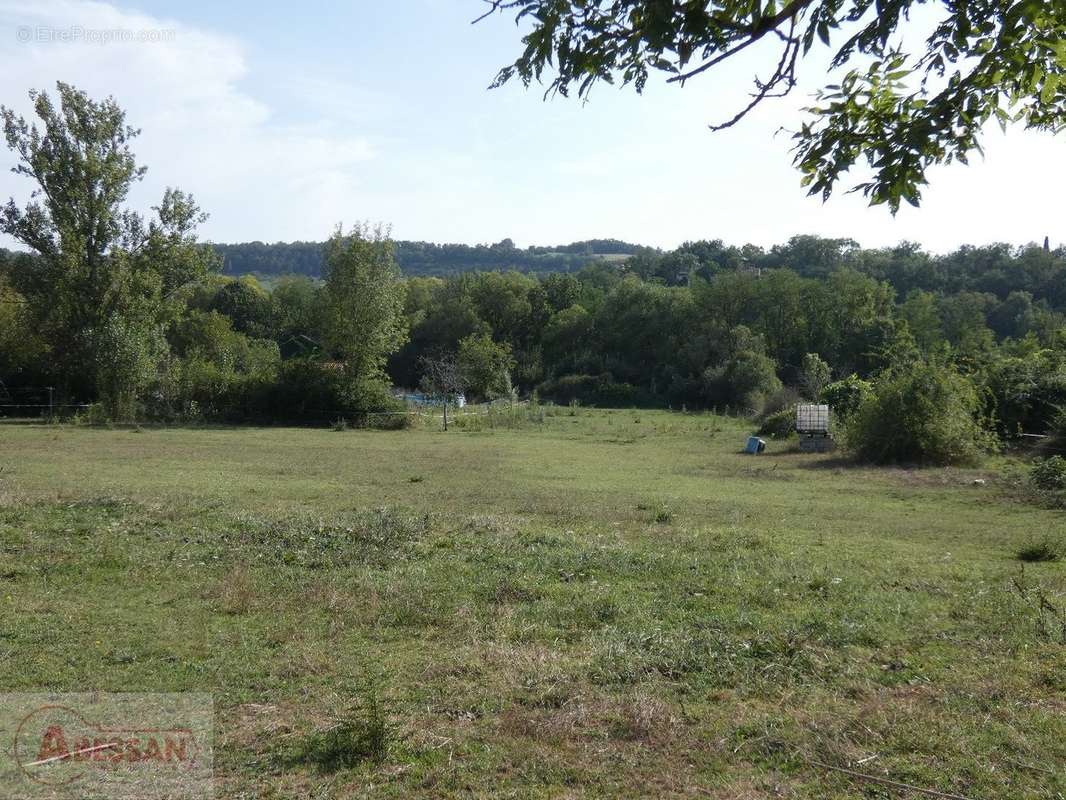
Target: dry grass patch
x=236 y=593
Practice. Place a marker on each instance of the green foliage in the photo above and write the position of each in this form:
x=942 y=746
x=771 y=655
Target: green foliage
x=1048 y=474
x=566 y=335
x=363 y=320
x=426 y=258
x=131 y=319
x=1037 y=550
x=592 y=390
x=814 y=375
x=294 y=308
x=102 y=284
x=746 y=378
x=924 y=413
x=219 y=373
x=246 y=304
x=1025 y=392
x=22 y=350
x=308 y=390
x=845 y=396
x=128 y=353
x=486 y=366
x=897 y=110
x=779 y=425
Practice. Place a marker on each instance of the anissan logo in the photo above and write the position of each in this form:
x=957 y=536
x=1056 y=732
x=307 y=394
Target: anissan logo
x=113 y=745
x=60 y=734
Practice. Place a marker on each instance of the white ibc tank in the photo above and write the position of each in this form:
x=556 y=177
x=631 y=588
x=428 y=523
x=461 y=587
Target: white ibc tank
x=812 y=418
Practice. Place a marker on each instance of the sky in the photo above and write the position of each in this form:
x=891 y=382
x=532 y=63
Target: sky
x=285 y=119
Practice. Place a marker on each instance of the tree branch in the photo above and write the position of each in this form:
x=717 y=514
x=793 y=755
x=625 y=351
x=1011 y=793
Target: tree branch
x=790 y=11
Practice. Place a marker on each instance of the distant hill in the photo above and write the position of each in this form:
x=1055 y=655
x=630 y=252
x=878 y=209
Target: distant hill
x=427 y=258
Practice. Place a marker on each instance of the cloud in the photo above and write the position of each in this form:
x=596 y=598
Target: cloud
x=201 y=129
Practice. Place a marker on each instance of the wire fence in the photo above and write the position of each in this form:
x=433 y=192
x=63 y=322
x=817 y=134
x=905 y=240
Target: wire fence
x=42 y=401
x=32 y=401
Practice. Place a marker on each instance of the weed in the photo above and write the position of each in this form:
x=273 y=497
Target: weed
x=358 y=733
x=1044 y=549
x=237 y=592
x=378 y=536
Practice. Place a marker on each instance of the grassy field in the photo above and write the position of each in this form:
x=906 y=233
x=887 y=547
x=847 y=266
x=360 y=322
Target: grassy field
x=604 y=604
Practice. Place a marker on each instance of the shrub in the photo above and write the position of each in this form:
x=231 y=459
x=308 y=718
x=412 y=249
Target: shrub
x=1048 y=474
x=745 y=381
x=779 y=425
x=371 y=405
x=846 y=395
x=1039 y=550
x=1025 y=393
x=360 y=733
x=922 y=413
x=592 y=390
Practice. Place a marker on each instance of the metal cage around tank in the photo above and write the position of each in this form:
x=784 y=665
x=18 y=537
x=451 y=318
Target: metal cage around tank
x=812 y=418
x=812 y=425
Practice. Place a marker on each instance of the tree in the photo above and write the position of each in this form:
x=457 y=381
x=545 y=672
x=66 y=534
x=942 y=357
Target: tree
x=898 y=110
x=363 y=320
x=486 y=365
x=294 y=305
x=443 y=378
x=814 y=375
x=567 y=336
x=922 y=315
x=21 y=350
x=103 y=284
x=246 y=303
x=561 y=290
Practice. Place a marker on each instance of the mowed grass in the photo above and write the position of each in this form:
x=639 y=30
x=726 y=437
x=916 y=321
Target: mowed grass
x=601 y=604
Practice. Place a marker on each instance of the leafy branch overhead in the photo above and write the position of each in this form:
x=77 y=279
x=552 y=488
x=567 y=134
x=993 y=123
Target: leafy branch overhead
x=897 y=110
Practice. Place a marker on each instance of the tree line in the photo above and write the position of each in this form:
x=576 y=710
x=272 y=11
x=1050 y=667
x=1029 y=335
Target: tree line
x=134 y=317
x=423 y=258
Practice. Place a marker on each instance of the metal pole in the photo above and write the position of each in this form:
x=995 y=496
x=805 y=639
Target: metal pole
x=51 y=405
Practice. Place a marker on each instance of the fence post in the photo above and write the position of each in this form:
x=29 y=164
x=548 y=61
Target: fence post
x=51 y=404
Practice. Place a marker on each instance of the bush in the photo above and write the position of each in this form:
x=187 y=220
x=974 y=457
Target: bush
x=1048 y=474
x=1039 y=550
x=845 y=396
x=779 y=425
x=592 y=390
x=744 y=381
x=307 y=390
x=923 y=413
x=1024 y=394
